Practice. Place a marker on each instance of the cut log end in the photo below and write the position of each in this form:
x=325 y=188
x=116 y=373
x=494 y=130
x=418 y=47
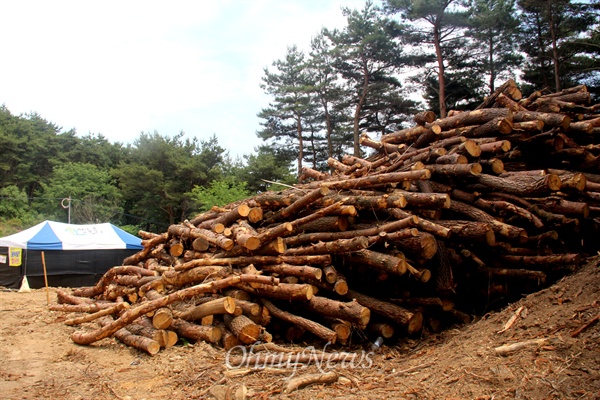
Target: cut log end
x=415 y=324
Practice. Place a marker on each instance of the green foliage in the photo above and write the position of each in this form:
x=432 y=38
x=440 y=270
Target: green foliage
x=367 y=57
x=16 y=213
x=435 y=26
x=218 y=193
x=94 y=197
x=159 y=173
x=558 y=38
x=29 y=150
x=13 y=202
x=285 y=117
x=494 y=30
x=132 y=229
x=264 y=166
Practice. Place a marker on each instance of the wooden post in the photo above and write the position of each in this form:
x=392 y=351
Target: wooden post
x=46 y=279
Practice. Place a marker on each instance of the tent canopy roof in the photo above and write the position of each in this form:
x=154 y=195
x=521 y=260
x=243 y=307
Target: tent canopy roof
x=50 y=235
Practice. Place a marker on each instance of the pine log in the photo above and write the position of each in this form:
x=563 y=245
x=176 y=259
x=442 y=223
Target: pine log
x=284 y=291
x=423 y=224
x=374 y=180
x=287 y=228
x=506 y=230
x=309 y=173
x=423 y=246
x=158 y=335
x=148 y=245
x=413 y=321
x=422 y=275
x=298 y=205
x=189 y=330
x=382 y=146
x=424 y=117
x=349 y=311
x=322 y=259
x=334 y=247
x=444 y=277
x=223 y=305
x=326 y=224
x=470 y=230
x=311 y=326
x=245 y=235
x=224 y=220
x=98 y=314
x=382 y=329
x=561 y=206
x=108 y=276
x=492 y=166
x=175 y=247
x=236 y=294
x=139 y=342
x=332 y=236
x=508 y=89
x=302 y=271
x=352 y=161
x=453 y=158
x=84 y=338
x=380 y=261
x=552 y=218
x=343 y=329
x=551 y=120
x=214 y=238
x=425 y=200
x=467 y=118
x=194 y=275
x=364 y=202
x=573 y=180
x=338 y=166
x=455 y=170
x=67 y=298
x=247 y=331
x=249 y=308
x=331 y=274
x=340 y=286
x=114 y=292
x=205 y=216
x=410 y=134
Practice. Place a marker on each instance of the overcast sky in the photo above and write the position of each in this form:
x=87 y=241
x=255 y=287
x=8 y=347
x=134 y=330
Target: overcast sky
x=122 y=67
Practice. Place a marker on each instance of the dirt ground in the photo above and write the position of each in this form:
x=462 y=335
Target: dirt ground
x=39 y=360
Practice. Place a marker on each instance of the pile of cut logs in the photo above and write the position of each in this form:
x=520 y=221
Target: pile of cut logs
x=442 y=216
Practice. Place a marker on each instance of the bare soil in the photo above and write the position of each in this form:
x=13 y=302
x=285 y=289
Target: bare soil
x=39 y=360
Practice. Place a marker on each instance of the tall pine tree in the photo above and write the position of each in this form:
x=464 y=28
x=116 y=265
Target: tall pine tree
x=284 y=119
x=494 y=30
x=434 y=23
x=557 y=40
x=367 y=54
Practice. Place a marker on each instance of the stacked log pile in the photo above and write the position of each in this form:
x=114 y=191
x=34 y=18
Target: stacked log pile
x=446 y=213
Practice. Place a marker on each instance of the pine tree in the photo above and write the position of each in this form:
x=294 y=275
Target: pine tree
x=367 y=54
x=494 y=31
x=443 y=24
x=556 y=38
x=284 y=119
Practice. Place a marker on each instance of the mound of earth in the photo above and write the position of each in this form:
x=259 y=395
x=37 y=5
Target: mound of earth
x=560 y=359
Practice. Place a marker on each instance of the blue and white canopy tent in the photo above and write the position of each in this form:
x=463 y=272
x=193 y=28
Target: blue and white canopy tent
x=76 y=255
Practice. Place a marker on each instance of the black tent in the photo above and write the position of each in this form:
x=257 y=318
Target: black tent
x=75 y=255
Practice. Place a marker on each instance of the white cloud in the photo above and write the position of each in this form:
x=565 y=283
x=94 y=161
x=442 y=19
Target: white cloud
x=122 y=67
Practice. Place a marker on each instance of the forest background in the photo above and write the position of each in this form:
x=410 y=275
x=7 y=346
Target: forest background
x=386 y=64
